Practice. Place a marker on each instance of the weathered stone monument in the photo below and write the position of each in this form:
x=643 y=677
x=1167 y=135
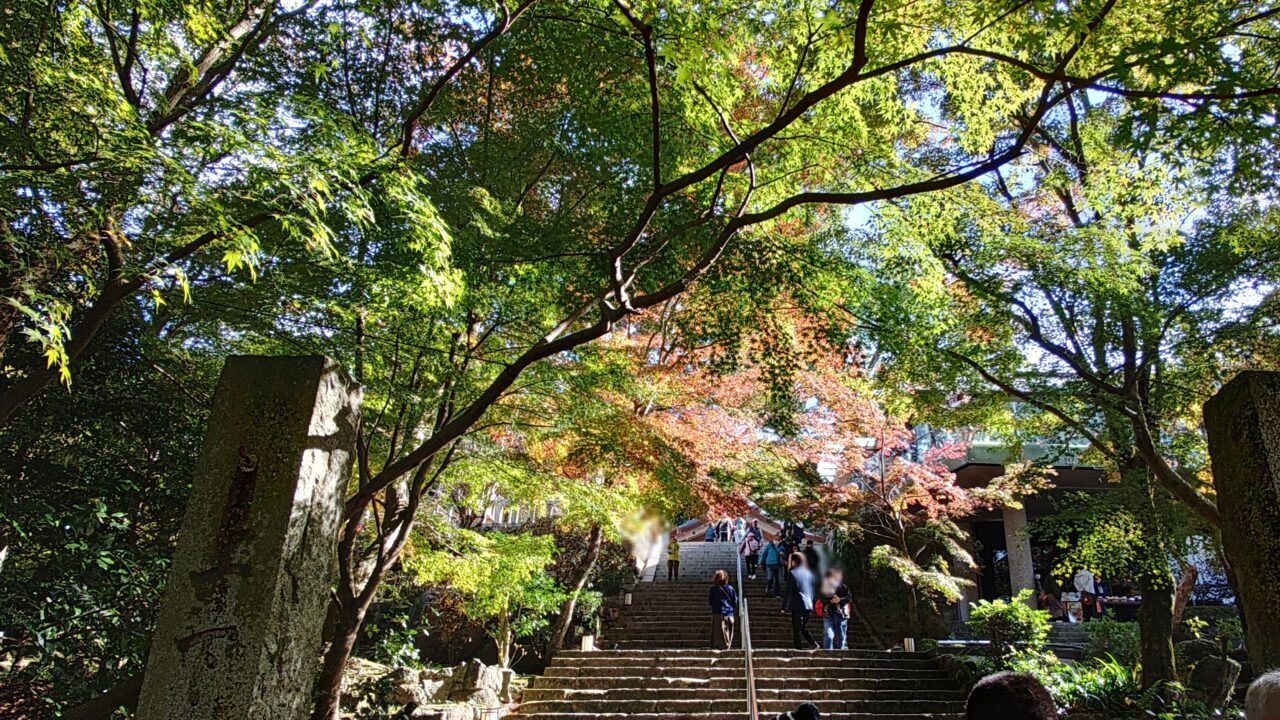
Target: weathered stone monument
x=1017 y=542
x=240 y=627
x=1242 y=422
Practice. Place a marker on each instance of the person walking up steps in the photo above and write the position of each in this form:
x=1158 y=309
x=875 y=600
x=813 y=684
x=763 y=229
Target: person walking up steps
x=673 y=559
x=710 y=535
x=724 y=601
x=800 y=602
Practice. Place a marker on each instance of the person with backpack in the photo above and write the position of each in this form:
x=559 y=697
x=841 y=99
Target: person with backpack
x=724 y=603
x=710 y=534
x=748 y=547
x=836 y=609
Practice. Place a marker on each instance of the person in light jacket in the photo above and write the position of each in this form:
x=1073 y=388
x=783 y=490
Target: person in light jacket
x=771 y=558
x=800 y=602
x=724 y=603
x=749 y=548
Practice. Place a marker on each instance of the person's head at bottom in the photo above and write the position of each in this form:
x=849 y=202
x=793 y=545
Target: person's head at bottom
x=807 y=711
x=1009 y=696
x=1262 y=702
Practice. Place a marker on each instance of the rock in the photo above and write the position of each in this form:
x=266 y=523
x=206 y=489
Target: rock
x=476 y=683
x=1212 y=680
x=406 y=688
x=505 y=693
x=437 y=683
x=1191 y=652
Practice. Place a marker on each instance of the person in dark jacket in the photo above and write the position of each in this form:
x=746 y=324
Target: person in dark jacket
x=800 y=602
x=724 y=603
x=836 y=608
x=797 y=534
x=811 y=556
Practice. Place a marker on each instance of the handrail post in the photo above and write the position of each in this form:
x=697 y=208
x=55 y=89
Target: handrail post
x=753 y=710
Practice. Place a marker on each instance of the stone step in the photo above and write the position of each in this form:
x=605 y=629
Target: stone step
x=792 y=694
x=725 y=655
x=825 y=673
x=696 y=643
x=703 y=623
x=762 y=666
x=759 y=641
x=699 y=627
x=801 y=659
x=661 y=684
x=730 y=714
x=683 y=708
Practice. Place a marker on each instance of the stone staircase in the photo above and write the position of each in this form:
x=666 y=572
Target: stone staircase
x=676 y=615
x=656 y=664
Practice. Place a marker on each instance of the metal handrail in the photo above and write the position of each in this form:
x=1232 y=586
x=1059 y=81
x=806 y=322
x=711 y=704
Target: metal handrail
x=753 y=709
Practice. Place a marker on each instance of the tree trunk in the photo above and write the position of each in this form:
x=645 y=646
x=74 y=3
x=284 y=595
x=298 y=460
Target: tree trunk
x=504 y=639
x=329 y=683
x=1186 y=584
x=583 y=571
x=1155 y=621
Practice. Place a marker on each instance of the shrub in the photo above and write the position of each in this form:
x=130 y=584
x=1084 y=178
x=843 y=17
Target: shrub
x=1009 y=623
x=1117 y=639
x=1098 y=687
x=1110 y=688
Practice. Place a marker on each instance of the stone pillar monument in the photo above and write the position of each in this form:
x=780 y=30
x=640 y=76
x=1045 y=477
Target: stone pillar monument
x=1022 y=574
x=240 y=627
x=1242 y=422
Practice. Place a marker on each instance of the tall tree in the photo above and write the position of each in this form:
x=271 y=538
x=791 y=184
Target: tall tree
x=1099 y=288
